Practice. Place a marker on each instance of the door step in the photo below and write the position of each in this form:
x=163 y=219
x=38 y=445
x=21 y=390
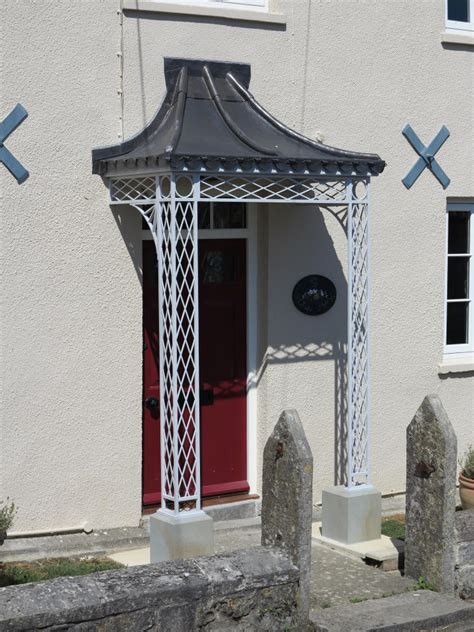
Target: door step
x=223 y=511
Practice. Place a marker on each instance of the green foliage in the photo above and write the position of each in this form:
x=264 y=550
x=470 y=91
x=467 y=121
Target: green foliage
x=25 y=572
x=358 y=599
x=423 y=584
x=393 y=528
x=467 y=463
x=7 y=514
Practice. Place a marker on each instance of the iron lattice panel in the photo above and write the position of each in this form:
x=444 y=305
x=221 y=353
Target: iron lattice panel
x=236 y=189
x=358 y=356
x=133 y=189
x=273 y=188
x=179 y=401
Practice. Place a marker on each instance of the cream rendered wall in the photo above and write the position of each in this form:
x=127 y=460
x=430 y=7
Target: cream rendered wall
x=71 y=297
x=356 y=72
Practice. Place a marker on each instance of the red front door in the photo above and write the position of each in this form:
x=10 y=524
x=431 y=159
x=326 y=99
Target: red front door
x=223 y=369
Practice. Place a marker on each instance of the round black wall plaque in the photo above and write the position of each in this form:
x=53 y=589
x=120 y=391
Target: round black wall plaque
x=314 y=295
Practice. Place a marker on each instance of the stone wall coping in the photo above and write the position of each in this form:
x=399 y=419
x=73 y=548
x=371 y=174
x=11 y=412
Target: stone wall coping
x=72 y=600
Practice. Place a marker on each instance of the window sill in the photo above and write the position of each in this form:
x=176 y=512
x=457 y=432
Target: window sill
x=456 y=365
x=226 y=12
x=462 y=38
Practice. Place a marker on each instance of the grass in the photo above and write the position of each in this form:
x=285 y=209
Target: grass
x=24 y=572
x=394 y=526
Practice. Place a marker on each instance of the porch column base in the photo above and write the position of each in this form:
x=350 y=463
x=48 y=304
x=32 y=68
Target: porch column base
x=176 y=537
x=351 y=515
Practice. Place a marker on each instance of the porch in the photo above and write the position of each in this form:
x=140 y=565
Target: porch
x=212 y=144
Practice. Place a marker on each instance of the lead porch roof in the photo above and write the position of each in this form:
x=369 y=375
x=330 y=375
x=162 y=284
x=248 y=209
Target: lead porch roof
x=209 y=121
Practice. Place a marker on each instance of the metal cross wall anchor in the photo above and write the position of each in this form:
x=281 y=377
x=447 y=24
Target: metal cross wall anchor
x=427 y=157
x=7 y=126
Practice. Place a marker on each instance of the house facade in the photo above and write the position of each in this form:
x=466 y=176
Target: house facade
x=80 y=433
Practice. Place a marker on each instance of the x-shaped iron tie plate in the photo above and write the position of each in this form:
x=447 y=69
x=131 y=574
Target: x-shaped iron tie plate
x=7 y=126
x=427 y=157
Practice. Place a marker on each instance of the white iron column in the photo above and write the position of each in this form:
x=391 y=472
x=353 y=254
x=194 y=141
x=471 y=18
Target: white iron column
x=358 y=333
x=179 y=343
x=352 y=512
x=179 y=529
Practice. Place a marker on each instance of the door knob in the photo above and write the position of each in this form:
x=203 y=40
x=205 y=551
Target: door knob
x=151 y=402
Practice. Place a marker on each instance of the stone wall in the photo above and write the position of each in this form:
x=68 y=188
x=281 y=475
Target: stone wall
x=464 y=553
x=439 y=541
x=247 y=590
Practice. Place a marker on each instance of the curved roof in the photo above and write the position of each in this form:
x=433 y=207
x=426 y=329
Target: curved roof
x=210 y=121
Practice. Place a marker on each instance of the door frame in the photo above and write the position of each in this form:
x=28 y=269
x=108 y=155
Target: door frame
x=250 y=234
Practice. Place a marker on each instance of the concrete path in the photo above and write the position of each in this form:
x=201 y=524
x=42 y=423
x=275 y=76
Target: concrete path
x=336 y=578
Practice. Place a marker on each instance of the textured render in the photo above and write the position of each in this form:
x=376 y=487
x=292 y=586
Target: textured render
x=70 y=318
x=431 y=496
x=71 y=347
x=246 y=590
x=287 y=492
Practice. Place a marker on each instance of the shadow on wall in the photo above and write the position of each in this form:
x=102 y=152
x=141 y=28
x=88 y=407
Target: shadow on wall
x=302 y=245
x=129 y=223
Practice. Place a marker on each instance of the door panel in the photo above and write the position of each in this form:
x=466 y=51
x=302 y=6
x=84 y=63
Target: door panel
x=222 y=303
x=223 y=369
x=151 y=379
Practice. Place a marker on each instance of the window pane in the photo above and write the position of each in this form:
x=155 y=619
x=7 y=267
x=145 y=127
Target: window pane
x=458 y=10
x=204 y=215
x=458 y=232
x=456 y=327
x=458 y=277
x=229 y=215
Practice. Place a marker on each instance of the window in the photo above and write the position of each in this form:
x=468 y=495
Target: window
x=460 y=15
x=222 y=215
x=459 y=330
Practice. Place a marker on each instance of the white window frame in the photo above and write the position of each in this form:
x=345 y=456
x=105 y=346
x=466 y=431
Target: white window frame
x=453 y=25
x=461 y=350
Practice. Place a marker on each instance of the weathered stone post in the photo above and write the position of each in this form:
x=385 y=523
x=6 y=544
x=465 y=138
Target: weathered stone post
x=430 y=499
x=287 y=498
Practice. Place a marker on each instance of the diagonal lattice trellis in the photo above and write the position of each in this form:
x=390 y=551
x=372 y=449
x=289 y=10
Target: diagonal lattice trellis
x=358 y=356
x=179 y=374
x=237 y=189
x=169 y=205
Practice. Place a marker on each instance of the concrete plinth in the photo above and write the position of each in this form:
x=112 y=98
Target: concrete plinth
x=351 y=515
x=188 y=534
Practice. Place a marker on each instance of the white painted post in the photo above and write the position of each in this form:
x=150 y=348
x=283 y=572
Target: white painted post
x=180 y=528
x=352 y=513
x=358 y=333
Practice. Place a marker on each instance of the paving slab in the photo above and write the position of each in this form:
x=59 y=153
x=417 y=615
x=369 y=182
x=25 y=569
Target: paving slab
x=384 y=551
x=423 y=610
